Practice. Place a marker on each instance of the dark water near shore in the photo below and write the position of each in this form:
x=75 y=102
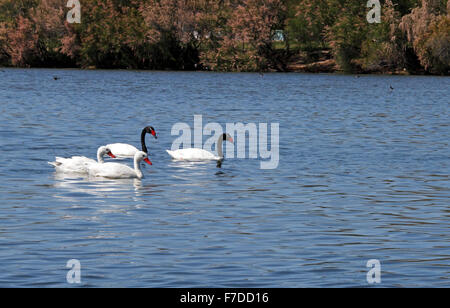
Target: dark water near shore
x=363 y=174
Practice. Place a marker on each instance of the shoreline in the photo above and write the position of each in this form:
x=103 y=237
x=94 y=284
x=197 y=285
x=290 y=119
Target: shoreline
x=308 y=68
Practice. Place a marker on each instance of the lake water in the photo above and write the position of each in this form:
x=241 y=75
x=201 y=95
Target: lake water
x=363 y=174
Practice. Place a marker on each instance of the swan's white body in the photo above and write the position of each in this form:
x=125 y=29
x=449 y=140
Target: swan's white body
x=79 y=164
x=75 y=164
x=122 y=150
x=193 y=154
x=119 y=171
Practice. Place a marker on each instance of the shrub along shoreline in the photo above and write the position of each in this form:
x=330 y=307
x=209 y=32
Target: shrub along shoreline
x=229 y=35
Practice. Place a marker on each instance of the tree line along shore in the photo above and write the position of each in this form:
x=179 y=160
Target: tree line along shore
x=413 y=36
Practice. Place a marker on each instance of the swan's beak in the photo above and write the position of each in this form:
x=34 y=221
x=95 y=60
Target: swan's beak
x=230 y=139
x=154 y=134
x=111 y=155
x=148 y=161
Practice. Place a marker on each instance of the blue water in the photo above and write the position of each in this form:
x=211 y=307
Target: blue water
x=363 y=174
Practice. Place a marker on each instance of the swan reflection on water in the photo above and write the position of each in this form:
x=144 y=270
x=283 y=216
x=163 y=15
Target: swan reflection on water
x=78 y=185
x=184 y=176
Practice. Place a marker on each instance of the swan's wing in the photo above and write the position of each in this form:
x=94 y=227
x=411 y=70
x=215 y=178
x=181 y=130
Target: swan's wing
x=54 y=163
x=75 y=164
x=82 y=160
x=192 y=154
x=171 y=153
x=122 y=149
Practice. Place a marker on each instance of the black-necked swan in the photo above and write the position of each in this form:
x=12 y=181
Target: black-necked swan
x=120 y=171
x=122 y=150
x=195 y=154
x=79 y=164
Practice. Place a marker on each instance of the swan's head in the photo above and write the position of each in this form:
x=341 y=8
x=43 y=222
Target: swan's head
x=102 y=151
x=227 y=137
x=142 y=156
x=150 y=130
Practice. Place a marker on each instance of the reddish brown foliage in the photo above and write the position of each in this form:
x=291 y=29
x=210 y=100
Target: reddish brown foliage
x=22 y=41
x=428 y=31
x=229 y=35
x=246 y=35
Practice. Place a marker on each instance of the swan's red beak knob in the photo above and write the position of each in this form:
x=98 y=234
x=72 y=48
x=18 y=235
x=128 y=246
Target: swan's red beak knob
x=148 y=161
x=111 y=155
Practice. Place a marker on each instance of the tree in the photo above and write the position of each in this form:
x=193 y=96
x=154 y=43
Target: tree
x=383 y=49
x=247 y=37
x=427 y=31
x=346 y=34
x=308 y=20
x=226 y=35
x=21 y=41
x=112 y=35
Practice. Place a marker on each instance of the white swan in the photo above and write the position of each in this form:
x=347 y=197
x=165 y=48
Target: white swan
x=80 y=164
x=120 y=171
x=195 y=154
x=122 y=150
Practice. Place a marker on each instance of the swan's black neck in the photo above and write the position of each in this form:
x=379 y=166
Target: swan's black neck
x=144 y=147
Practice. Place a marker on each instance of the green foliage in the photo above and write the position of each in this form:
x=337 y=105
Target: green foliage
x=226 y=35
x=382 y=50
x=307 y=22
x=346 y=35
x=9 y=9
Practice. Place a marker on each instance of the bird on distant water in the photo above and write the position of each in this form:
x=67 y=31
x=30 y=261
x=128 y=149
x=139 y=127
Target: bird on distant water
x=55 y=77
x=390 y=87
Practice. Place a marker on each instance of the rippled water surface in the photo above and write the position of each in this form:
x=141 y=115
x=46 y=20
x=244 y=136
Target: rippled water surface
x=363 y=174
